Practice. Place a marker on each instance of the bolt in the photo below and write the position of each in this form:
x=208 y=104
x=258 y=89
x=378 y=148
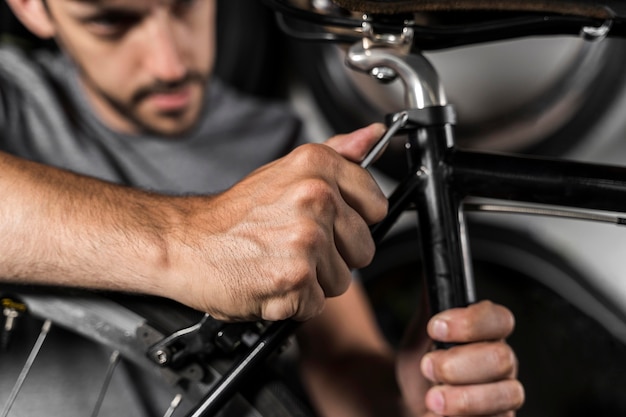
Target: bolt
x=161 y=357
x=11 y=311
x=383 y=74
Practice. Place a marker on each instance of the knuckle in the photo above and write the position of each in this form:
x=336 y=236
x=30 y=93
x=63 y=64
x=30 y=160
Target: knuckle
x=308 y=237
x=312 y=155
x=314 y=189
x=487 y=304
x=287 y=282
x=316 y=195
x=294 y=295
x=301 y=274
x=465 y=328
x=276 y=310
x=506 y=319
x=503 y=359
x=445 y=369
x=464 y=403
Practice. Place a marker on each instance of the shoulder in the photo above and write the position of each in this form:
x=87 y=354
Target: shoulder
x=34 y=112
x=18 y=64
x=27 y=73
x=15 y=66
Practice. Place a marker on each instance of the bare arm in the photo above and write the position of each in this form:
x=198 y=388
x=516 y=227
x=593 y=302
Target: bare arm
x=273 y=246
x=61 y=228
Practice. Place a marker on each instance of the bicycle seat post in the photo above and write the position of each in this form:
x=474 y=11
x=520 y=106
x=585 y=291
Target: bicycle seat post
x=387 y=57
x=430 y=140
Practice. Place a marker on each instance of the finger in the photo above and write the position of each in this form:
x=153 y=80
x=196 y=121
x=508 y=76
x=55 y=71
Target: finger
x=478 y=322
x=355 y=146
x=331 y=218
x=342 y=178
x=356 y=185
x=470 y=364
x=353 y=239
x=310 y=304
x=361 y=192
x=476 y=400
x=298 y=305
x=333 y=274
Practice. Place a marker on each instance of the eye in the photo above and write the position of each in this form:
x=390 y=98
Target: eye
x=111 y=24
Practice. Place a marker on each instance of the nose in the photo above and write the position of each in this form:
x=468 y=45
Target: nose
x=164 y=53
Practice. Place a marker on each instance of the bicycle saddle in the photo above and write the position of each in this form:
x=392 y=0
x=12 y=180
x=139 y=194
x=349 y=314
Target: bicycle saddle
x=607 y=9
x=450 y=23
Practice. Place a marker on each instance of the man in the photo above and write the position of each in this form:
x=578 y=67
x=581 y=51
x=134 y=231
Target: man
x=128 y=103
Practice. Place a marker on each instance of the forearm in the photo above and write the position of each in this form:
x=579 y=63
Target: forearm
x=271 y=247
x=64 y=229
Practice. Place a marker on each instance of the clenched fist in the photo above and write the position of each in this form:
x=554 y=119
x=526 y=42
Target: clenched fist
x=285 y=238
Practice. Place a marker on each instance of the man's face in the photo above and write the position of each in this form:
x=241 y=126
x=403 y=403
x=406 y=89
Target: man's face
x=143 y=63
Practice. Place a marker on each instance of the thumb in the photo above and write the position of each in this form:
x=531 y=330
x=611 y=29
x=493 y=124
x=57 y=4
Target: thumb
x=355 y=146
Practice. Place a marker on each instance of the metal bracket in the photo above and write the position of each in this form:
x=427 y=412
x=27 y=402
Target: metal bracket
x=401 y=41
x=205 y=337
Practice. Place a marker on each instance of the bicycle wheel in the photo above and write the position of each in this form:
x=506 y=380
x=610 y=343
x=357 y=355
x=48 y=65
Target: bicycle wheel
x=77 y=354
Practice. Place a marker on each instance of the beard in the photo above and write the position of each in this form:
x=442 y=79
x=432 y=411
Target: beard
x=177 y=121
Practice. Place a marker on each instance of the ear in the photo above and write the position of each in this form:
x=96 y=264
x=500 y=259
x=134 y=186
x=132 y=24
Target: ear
x=34 y=15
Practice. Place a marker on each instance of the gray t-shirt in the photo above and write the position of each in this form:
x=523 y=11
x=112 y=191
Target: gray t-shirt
x=45 y=117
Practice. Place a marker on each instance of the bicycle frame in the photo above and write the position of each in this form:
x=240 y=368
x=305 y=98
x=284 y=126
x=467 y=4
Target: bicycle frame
x=440 y=182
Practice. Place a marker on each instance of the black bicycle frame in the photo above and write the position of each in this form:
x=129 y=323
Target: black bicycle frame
x=444 y=177
x=440 y=179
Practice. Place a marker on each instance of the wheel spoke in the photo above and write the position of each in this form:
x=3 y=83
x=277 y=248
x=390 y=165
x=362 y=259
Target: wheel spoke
x=173 y=405
x=45 y=329
x=114 y=359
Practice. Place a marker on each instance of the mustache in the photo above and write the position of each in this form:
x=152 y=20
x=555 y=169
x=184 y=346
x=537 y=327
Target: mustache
x=161 y=87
